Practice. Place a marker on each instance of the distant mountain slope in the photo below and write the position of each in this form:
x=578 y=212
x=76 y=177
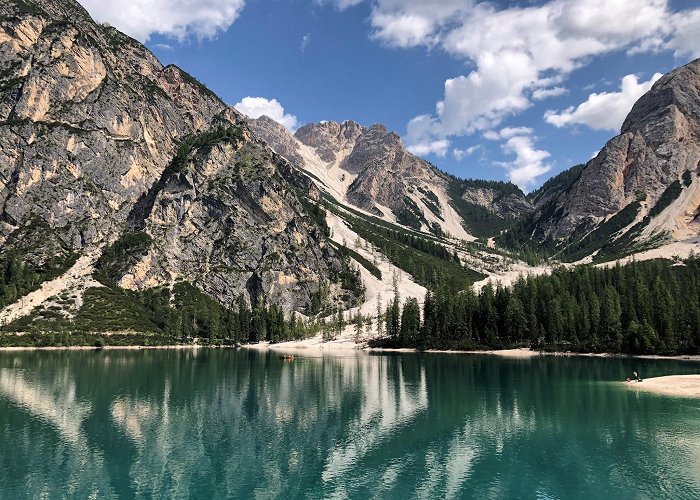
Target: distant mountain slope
x=643 y=185
x=369 y=168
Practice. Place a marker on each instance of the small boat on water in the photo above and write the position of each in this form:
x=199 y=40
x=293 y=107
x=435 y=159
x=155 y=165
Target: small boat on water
x=287 y=357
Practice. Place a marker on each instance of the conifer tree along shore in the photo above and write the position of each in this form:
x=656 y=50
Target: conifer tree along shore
x=650 y=307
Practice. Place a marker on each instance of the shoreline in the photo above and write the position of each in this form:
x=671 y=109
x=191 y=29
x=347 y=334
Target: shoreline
x=340 y=347
x=521 y=353
x=106 y=347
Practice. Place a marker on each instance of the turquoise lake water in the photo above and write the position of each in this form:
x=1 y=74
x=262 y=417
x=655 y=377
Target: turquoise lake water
x=242 y=424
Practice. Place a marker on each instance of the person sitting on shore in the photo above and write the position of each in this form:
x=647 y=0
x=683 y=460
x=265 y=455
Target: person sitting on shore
x=636 y=377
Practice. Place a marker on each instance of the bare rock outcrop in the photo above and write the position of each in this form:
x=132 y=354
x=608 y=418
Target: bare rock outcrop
x=99 y=140
x=658 y=145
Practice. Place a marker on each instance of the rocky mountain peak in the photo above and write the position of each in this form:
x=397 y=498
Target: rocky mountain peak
x=650 y=168
x=677 y=92
x=100 y=142
x=278 y=137
x=330 y=138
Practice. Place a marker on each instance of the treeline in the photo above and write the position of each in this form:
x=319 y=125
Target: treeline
x=194 y=314
x=162 y=314
x=643 y=308
x=186 y=313
x=503 y=188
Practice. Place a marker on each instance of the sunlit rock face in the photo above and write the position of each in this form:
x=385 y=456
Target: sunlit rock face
x=369 y=168
x=231 y=223
x=88 y=120
x=659 y=143
x=91 y=121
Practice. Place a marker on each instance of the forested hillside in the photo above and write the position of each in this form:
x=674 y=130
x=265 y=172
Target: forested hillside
x=648 y=307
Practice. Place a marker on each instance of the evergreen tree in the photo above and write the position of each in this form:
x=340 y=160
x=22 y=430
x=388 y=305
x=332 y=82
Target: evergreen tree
x=410 y=322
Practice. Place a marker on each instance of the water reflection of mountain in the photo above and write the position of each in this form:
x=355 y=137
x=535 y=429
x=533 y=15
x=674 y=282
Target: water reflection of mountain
x=245 y=424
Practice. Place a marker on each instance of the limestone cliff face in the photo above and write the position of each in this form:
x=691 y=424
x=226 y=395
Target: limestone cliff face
x=331 y=140
x=659 y=144
x=90 y=124
x=386 y=170
x=276 y=136
x=88 y=120
x=369 y=168
x=228 y=220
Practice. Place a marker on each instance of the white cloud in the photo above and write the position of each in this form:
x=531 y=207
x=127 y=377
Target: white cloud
x=685 y=29
x=542 y=94
x=402 y=31
x=605 y=110
x=521 y=54
x=409 y=23
x=175 y=18
x=340 y=4
x=507 y=133
x=528 y=164
x=419 y=139
x=255 y=107
x=438 y=148
x=461 y=153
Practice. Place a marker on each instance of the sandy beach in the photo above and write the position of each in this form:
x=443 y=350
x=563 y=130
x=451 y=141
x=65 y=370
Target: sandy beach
x=672 y=385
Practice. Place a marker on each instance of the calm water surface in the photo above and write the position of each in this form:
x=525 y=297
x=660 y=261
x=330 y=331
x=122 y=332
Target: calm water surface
x=223 y=423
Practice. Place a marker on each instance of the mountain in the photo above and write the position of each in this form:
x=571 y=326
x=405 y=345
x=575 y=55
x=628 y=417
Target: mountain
x=642 y=188
x=103 y=150
x=370 y=169
x=88 y=120
x=134 y=199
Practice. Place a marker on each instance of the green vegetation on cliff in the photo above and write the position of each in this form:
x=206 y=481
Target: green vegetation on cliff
x=18 y=277
x=479 y=221
x=152 y=317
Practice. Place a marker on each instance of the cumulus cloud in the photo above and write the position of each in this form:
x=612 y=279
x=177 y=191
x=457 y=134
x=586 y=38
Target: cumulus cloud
x=542 y=94
x=528 y=164
x=179 y=19
x=420 y=140
x=507 y=133
x=605 y=110
x=409 y=23
x=340 y=4
x=255 y=107
x=521 y=54
x=461 y=153
x=438 y=148
x=685 y=33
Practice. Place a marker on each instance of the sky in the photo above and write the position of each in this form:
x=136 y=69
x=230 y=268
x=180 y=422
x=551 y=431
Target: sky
x=504 y=90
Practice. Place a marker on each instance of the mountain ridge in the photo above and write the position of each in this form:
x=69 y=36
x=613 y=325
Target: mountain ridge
x=91 y=122
x=128 y=182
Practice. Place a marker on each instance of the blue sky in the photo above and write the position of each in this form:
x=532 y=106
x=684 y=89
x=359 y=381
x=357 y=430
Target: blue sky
x=503 y=90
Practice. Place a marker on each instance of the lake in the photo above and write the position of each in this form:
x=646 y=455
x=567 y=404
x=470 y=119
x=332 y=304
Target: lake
x=245 y=424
